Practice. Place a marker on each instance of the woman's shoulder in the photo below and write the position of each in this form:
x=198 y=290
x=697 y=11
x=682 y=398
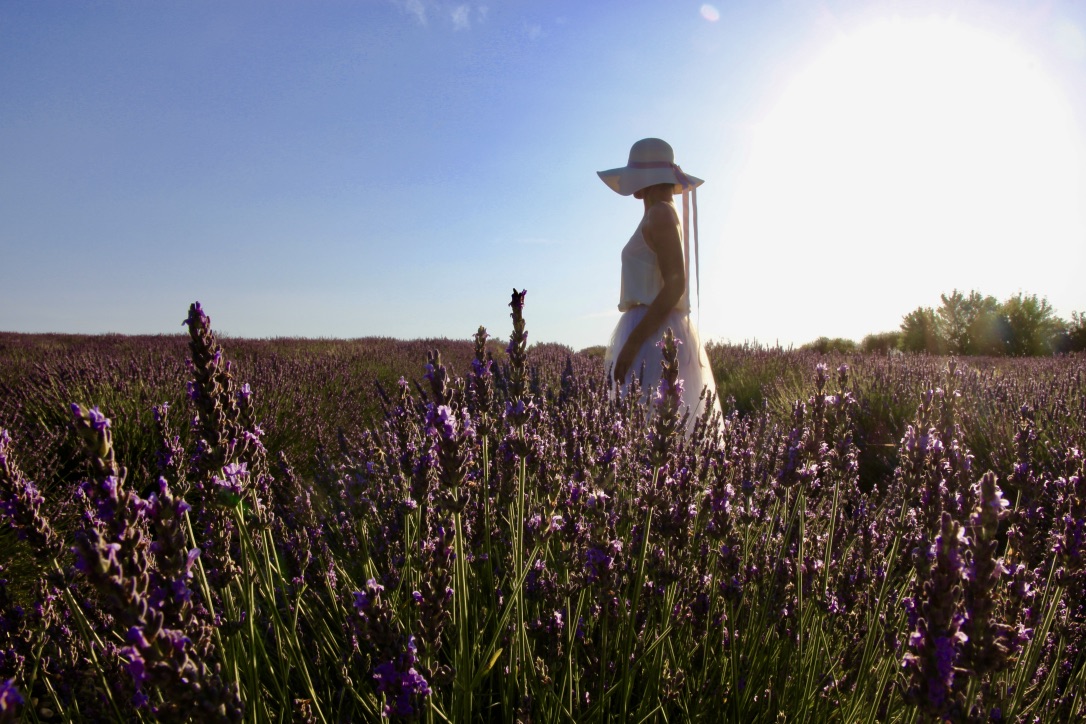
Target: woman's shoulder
x=662 y=212
x=661 y=222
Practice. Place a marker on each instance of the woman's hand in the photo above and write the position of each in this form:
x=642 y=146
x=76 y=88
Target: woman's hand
x=623 y=361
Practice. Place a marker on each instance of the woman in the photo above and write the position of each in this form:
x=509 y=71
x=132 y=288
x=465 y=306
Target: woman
x=655 y=289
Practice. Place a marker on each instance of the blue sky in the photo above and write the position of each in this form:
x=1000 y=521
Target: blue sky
x=395 y=168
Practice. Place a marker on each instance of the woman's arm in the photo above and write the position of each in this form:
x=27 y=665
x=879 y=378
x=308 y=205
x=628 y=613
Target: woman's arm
x=663 y=234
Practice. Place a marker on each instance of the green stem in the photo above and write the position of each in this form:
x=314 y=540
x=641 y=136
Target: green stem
x=630 y=634
x=801 y=502
x=205 y=591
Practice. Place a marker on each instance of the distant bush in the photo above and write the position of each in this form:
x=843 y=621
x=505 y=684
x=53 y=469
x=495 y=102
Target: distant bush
x=826 y=345
x=881 y=343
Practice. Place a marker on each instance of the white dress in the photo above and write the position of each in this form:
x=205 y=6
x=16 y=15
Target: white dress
x=641 y=282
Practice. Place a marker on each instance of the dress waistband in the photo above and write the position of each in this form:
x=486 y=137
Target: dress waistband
x=633 y=307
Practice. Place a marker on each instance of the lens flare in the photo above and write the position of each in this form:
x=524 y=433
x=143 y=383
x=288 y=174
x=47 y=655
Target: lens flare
x=710 y=13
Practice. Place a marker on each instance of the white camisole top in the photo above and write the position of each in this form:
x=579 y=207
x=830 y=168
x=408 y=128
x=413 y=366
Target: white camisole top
x=641 y=279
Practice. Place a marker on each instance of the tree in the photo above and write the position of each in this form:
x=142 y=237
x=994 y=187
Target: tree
x=990 y=334
x=988 y=331
x=976 y=324
x=1076 y=332
x=952 y=321
x=919 y=332
x=1033 y=325
x=968 y=324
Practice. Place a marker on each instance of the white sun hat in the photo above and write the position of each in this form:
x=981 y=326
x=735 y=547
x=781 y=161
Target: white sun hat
x=652 y=161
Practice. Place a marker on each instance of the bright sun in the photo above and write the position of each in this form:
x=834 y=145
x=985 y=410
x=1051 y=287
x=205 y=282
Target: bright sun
x=911 y=158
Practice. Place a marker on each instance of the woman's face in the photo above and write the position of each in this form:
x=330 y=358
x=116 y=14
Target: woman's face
x=658 y=192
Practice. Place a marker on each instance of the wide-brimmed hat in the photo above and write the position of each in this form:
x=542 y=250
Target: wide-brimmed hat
x=652 y=161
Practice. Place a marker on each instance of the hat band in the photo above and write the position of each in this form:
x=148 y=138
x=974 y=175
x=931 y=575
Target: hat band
x=679 y=175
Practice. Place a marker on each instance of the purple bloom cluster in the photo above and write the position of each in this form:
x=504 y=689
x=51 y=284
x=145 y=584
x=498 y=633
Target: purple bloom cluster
x=934 y=648
x=150 y=607
x=400 y=684
x=10 y=702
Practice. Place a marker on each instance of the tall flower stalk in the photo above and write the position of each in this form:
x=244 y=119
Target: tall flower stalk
x=112 y=552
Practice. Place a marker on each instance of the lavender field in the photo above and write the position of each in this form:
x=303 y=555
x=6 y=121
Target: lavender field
x=199 y=529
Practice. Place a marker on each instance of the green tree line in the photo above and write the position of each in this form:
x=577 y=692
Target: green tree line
x=976 y=324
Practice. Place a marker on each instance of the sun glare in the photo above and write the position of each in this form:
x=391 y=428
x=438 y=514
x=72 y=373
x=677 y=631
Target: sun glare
x=910 y=158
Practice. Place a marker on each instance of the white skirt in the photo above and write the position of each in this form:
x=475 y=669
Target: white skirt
x=694 y=368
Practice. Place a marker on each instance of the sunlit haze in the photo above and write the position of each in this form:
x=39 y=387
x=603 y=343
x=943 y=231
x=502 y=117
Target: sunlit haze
x=350 y=168
x=911 y=158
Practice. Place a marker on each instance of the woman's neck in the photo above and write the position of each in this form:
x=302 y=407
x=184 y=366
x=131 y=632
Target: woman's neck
x=653 y=199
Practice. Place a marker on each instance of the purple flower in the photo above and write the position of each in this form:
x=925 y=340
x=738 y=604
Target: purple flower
x=196 y=314
x=190 y=560
x=364 y=599
x=231 y=487
x=518 y=300
x=668 y=389
x=557 y=522
x=99 y=422
x=234 y=470
x=400 y=684
x=443 y=422
x=481 y=367
x=511 y=348
x=597 y=563
x=10 y=701
x=946 y=652
x=136 y=666
x=176 y=639
x=136 y=637
x=596 y=499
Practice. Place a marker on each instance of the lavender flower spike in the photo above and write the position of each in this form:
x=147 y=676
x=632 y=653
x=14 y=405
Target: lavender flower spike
x=21 y=503
x=10 y=702
x=668 y=400
x=518 y=345
x=986 y=648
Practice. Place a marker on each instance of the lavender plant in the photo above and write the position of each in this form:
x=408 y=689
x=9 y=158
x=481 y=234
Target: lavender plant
x=519 y=545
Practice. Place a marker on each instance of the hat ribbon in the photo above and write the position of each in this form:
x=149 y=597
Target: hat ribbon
x=690 y=194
